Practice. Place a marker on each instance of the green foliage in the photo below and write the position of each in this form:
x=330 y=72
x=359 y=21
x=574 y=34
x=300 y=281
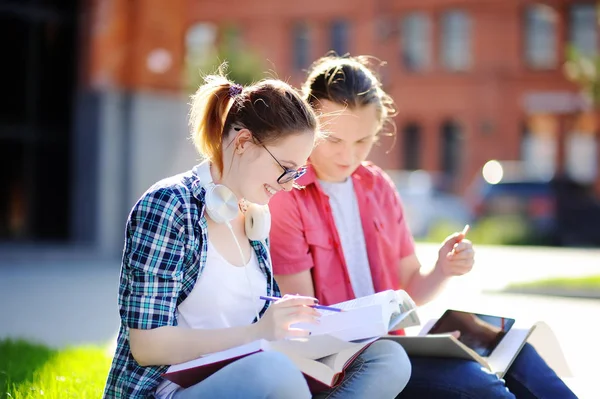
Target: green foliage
x=244 y=66
x=584 y=70
x=505 y=230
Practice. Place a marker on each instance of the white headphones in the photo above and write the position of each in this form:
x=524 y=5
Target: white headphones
x=222 y=206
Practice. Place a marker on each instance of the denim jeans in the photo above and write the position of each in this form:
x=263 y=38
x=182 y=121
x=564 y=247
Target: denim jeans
x=529 y=377
x=381 y=371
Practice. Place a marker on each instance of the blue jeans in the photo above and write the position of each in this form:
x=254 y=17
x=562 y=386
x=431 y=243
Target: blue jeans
x=381 y=371
x=529 y=377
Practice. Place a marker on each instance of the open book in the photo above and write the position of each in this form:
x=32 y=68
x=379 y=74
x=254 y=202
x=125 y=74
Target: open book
x=367 y=317
x=499 y=360
x=321 y=359
x=328 y=351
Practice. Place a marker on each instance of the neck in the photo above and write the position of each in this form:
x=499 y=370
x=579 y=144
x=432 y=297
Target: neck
x=226 y=179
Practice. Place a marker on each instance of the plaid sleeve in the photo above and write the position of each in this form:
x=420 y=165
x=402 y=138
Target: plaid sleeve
x=152 y=274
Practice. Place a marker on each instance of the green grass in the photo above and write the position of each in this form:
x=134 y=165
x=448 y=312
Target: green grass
x=30 y=371
x=508 y=230
x=584 y=283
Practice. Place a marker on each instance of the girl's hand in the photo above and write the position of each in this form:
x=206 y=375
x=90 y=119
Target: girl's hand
x=275 y=323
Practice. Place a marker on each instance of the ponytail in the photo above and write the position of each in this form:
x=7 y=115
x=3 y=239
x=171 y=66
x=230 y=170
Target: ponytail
x=209 y=108
x=270 y=109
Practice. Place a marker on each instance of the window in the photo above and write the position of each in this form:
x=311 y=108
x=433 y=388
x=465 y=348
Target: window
x=201 y=40
x=583 y=28
x=415 y=39
x=540 y=36
x=412 y=146
x=539 y=145
x=301 y=46
x=581 y=150
x=339 y=34
x=456 y=40
x=450 y=161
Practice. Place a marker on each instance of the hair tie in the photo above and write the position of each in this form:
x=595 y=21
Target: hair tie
x=235 y=89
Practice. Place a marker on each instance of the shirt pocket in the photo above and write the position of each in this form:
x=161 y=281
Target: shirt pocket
x=387 y=235
x=328 y=274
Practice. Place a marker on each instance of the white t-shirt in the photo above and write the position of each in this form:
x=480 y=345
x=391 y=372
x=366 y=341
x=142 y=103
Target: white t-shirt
x=346 y=215
x=221 y=298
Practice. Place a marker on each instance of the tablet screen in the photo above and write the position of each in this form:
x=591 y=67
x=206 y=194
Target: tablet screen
x=480 y=332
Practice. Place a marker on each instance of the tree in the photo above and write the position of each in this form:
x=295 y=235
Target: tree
x=584 y=69
x=244 y=66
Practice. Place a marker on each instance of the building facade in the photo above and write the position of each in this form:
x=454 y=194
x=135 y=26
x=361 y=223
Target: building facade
x=101 y=93
x=472 y=80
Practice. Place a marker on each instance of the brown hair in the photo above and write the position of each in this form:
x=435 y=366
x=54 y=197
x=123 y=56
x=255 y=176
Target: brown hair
x=352 y=82
x=270 y=109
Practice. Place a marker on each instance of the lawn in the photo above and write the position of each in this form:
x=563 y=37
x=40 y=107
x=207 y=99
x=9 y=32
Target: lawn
x=490 y=231
x=30 y=371
x=576 y=286
x=584 y=283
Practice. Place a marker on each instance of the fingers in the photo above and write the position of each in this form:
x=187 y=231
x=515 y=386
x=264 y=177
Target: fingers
x=462 y=246
x=455 y=334
x=468 y=254
x=300 y=318
x=457 y=237
x=288 y=315
x=298 y=311
x=462 y=250
x=458 y=268
x=296 y=300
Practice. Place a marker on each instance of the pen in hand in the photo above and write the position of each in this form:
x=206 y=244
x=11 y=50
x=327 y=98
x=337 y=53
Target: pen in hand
x=321 y=307
x=465 y=230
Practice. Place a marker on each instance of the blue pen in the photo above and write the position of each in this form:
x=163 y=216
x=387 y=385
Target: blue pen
x=274 y=298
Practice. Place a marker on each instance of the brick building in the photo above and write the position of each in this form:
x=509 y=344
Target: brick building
x=473 y=80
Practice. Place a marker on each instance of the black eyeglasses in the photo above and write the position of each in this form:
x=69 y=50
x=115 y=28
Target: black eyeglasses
x=288 y=174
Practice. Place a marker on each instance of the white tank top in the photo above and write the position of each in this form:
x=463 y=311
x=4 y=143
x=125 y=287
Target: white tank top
x=221 y=298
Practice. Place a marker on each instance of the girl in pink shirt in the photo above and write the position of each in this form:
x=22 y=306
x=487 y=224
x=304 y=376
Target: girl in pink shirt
x=345 y=235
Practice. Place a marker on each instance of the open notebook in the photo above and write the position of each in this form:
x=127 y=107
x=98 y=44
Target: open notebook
x=371 y=316
x=325 y=354
x=322 y=359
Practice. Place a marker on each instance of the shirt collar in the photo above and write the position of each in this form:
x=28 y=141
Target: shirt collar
x=198 y=190
x=361 y=173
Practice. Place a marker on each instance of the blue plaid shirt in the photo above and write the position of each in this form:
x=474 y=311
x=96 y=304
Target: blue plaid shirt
x=165 y=252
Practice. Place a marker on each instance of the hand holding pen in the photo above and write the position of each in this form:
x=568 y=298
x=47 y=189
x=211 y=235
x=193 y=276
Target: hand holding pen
x=321 y=307
x=291 y=309
x=456 y=256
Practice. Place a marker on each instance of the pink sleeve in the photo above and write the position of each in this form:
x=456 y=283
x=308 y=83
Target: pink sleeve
x=289 y=249
x=407 y=242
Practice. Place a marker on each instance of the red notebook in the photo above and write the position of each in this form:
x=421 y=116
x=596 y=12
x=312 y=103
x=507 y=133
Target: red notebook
x=320 y=373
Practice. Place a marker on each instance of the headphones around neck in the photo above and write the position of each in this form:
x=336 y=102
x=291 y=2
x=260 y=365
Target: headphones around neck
x=222 y=206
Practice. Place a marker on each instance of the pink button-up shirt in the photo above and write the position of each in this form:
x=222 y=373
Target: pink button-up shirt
x=304 y=236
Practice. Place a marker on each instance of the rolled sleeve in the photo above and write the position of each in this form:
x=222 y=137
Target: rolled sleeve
x=152 y=273
x=290 y=251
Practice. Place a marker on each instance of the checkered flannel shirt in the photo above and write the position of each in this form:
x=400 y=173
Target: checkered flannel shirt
x=165 y=252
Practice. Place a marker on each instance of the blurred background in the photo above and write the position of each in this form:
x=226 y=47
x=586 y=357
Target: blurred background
x=498 y=126
x=95 y=93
